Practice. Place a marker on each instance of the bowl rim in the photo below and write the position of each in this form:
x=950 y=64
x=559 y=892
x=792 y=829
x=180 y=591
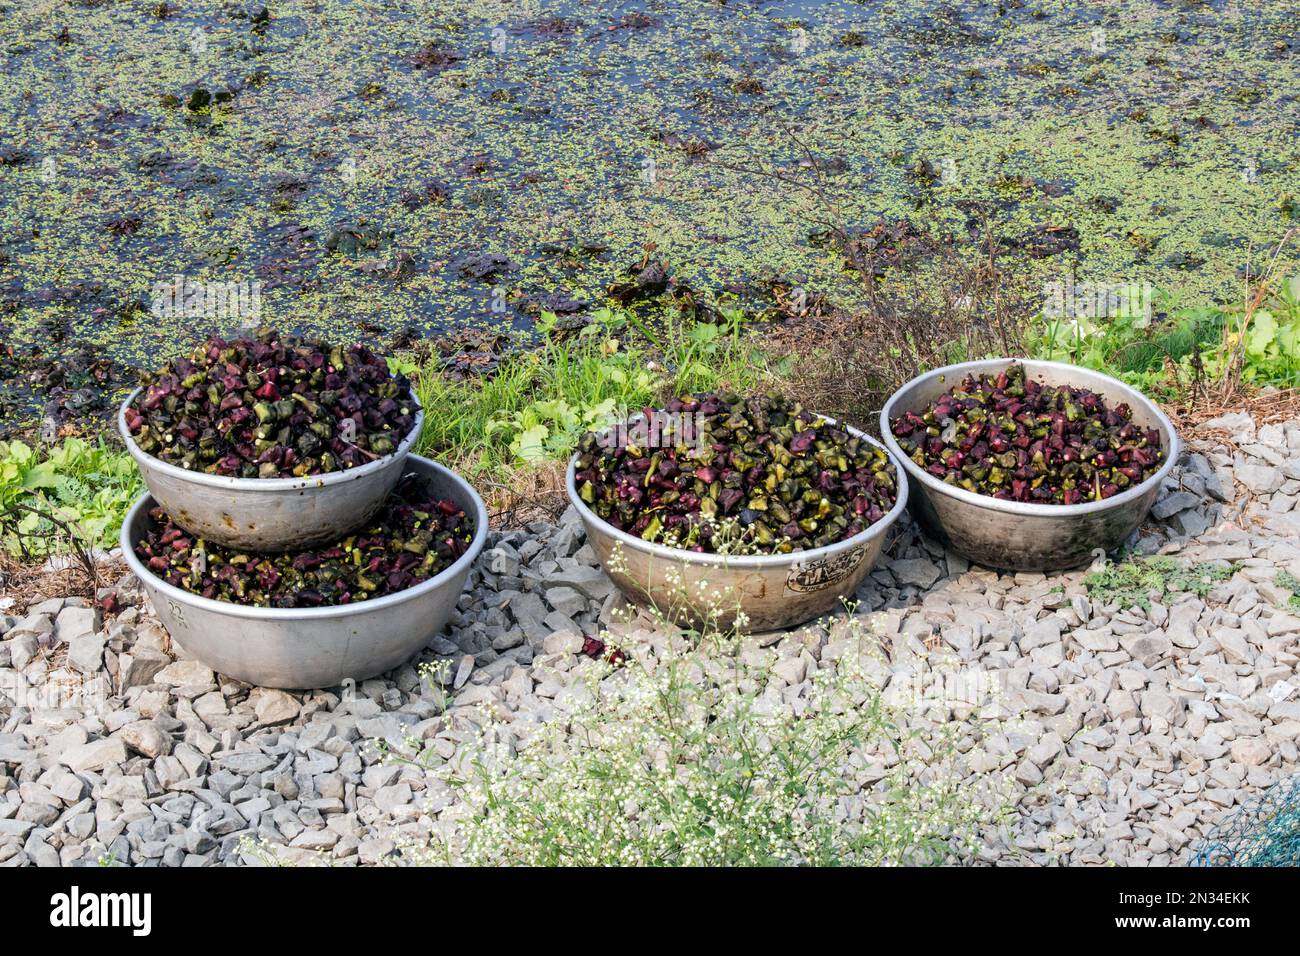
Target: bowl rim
x=282 y=614
x=931 y=483
x=750 y=561
x=147 y=461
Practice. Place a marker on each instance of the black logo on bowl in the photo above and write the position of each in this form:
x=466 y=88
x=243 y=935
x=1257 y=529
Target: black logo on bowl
x=824 y=572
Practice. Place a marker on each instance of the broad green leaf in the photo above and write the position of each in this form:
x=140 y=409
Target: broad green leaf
x=600 y=411
x=19 y=452
x=704 y=333
x=530 y=444
x=43 y=475
x=1259 y=336
x=1288 y=340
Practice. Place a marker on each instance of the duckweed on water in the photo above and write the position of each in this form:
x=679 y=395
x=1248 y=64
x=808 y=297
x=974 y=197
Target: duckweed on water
x=721 y=473
x=484 y=129
x=1013 y=438
x=412 y=539
x=272 y=407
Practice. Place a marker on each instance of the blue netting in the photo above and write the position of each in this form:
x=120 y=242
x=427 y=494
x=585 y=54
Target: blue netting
x=1263 y=832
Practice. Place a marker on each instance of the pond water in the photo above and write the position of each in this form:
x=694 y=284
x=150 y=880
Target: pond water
x=389 y=170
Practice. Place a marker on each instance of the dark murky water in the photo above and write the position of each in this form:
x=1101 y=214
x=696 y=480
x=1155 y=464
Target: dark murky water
x=389 y=170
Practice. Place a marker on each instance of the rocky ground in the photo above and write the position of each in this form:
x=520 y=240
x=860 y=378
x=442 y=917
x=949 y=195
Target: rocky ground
x=1136 y=732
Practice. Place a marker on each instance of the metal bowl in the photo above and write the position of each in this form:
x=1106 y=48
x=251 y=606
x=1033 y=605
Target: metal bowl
x=1009 y=534
x=270 y=514
x=319 y=646
x=774 y=592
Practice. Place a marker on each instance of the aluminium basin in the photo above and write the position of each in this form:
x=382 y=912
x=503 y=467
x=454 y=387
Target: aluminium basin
x=1013 y=535
x=319 y=646
x=271 y=514
x=775 y=592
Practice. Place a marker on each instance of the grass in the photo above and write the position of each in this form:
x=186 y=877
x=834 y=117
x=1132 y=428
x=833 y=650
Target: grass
x=1207 y=354
x=506 y=431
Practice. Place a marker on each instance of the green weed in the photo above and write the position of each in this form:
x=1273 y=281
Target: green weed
x=1257 y=343
x=86 y=487
x=1285 y=579
x=538 y=403
x=1137 y=582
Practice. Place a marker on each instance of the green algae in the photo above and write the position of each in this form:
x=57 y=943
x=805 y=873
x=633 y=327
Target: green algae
x=1167 y=140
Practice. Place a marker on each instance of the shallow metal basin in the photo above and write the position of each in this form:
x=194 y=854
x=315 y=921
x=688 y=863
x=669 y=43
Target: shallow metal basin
x=773 y=591
x=270 y=514
x=1011 y=535
x=319 y=646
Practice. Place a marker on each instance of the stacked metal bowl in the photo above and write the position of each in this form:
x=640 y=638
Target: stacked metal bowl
x=296 y=647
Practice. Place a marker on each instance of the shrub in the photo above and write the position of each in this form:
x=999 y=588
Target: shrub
x=679 y=751
x=537 y=404
x=1134 y=583
x=87 y=488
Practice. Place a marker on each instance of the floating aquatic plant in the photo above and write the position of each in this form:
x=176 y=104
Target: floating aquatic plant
x=717 y=468
x=1010 y=437
x=272 y=407
x=412 y=538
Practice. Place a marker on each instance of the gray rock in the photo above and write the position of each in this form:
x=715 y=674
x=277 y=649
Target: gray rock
x=1197 y=464
x=273 y=706
x=1232 y=422
x=1250 y=751
x=1148 y=648
x=388 y=799
x=566 y=601
x=244 y=762
x=792 y=670
x=94 y=755
x=557 y=621
x=315 y=839
x=1041 y=633
x=140 y=667
x=22 y=650
x=563 y=642
x=186 y=674
x=1260 y=479
x=15 y=828
x=34 y=623
x=508 y=639
x=86 y=651
x=592 y=582
x=145 y=737
x=76 y=622
x=52 y=606
x=528 y=610
x=1172 y=504
x=375 y=851
x=921 y=572
x=463 y=670
x=1191 y=524
x=1234 y=646
x=502 y=561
